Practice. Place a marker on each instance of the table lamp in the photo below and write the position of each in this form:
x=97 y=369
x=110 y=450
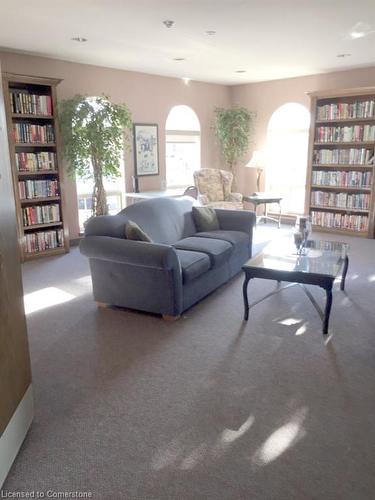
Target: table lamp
x=257 y=161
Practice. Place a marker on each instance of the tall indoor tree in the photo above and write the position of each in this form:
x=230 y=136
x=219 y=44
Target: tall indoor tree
x=232 y=128
x=94 y=134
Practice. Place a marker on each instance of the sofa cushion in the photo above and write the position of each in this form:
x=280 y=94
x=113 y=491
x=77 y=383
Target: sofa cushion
x=205 y=219
x=193 y=264
x=233 y=237
x=217 y=250
x=134 y=232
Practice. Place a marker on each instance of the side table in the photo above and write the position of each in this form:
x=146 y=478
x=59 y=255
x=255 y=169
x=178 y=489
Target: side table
x=264 y=199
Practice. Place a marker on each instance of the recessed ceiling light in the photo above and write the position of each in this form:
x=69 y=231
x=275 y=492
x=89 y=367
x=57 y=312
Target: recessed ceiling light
x=186 y=80
x=343 y=55
x=240 y=71
x=179 y=59
x=168 y=23
x=360 y=30
x=79 y=39
x=210 y=32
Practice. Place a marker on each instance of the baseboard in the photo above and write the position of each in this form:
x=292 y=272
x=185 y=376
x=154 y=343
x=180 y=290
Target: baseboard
x=15 y=432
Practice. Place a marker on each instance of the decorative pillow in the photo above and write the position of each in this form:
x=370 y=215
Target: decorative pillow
x=134 y=232
x=205 y=219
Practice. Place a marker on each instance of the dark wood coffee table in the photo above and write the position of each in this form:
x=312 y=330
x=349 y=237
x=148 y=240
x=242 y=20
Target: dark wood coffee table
x=322 y=264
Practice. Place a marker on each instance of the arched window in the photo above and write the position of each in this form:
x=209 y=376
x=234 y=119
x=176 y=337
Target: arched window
x=183 y=150
x=115 y=191
x=287 y=147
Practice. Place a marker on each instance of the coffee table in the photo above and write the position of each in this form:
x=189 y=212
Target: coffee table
x=279 y=261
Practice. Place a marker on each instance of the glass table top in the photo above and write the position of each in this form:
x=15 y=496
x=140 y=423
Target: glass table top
x=321 y=257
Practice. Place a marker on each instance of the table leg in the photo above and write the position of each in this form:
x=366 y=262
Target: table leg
x=245 y=297
x=344 y=272
x=327 y=310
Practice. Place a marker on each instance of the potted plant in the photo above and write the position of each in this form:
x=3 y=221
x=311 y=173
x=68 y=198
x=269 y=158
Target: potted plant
x=94 y=133
x=232 y=128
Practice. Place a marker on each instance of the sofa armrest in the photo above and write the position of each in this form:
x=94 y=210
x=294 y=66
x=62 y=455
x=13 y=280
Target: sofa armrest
x=235 y=197
x=125 y=251
x=236 y=220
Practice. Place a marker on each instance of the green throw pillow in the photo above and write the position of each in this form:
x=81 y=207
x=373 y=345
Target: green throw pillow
x=134 y=232
x=205 y=219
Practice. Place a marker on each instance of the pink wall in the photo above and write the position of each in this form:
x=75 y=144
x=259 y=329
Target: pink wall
x=149 y=98
x=264 y=98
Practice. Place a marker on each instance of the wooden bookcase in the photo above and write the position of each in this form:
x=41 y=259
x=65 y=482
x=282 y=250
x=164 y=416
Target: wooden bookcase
x=34 y=145
x=340 y=194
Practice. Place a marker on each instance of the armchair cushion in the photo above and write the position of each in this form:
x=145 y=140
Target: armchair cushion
x=217 y=250
x=235 y=197
x=205 y=219
x=193 y=264
x=209 y=183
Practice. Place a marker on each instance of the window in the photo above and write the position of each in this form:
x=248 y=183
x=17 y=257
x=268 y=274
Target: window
x=115 y=191
x=183 y=154
x=287 y=147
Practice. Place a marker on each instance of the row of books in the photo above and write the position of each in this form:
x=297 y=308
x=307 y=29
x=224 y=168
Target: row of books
x=27 y=132
x=42 y=214
x=346 y=110
x=351 y=156
x=354 y=133
x=29 y=189
x=34 y=162
x=44 y=240
x=340 y=200
x=340 y=221
x=30 y=104
x=342 y=178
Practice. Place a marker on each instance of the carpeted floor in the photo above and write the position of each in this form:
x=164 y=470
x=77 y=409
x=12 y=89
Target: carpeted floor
x=130 y=407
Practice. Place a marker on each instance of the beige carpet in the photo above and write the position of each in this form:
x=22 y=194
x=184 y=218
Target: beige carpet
x=131 y=407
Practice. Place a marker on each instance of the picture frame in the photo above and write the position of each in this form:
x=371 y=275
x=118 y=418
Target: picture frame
x=146 y=149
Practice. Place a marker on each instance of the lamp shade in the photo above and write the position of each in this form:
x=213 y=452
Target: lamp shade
x=257 y=160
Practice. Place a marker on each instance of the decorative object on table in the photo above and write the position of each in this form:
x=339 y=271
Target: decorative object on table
x=214 y=189
x=146 y=150
x=94 y=132
x=233 y=128
x=301 y=233
x=257 y=162
x=264 y=199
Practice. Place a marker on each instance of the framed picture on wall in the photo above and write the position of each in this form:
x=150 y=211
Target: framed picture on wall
x=146 y=149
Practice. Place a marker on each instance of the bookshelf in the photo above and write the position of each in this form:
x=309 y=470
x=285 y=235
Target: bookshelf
x=38 y=183
x=340 y=193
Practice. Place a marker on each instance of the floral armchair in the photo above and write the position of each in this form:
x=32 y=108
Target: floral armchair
x=214 y=189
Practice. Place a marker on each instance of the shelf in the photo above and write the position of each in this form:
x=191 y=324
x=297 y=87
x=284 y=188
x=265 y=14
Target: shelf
x=343 y=165
x=39 y=200
x=35 y=145
x=339 y=209
x=32 y=117
x=342 y=143
x=347 y=120
x=336 y=230
x=37 y=173
x=44 y=253
x=42 y=226
x=341 y=188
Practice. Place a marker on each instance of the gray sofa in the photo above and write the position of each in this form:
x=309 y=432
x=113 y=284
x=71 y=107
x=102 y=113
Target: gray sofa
x=174 y=272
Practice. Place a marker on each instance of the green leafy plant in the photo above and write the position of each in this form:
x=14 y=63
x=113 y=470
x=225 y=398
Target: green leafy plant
x=94 y=133
x=232 y=128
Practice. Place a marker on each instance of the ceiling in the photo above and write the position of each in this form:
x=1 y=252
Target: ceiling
x=269 y=39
